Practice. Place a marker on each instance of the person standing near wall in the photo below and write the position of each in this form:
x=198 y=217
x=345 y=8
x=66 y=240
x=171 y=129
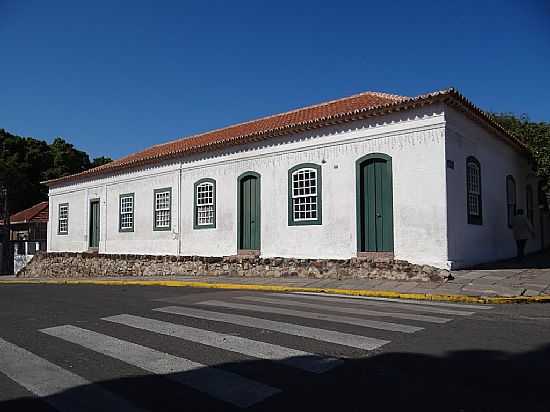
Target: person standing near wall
x=523 y=230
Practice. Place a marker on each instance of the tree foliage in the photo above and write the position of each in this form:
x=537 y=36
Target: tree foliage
x=25 y=162
x=536 y=135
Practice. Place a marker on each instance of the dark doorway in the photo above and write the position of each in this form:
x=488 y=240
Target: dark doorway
x=94 y=224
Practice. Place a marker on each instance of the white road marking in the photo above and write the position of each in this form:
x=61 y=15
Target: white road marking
x=217 y=383
x=346 y=339
x=358 y=300
x=262 y=350
x=367 y=323
x=63 y=390
x=350 y=311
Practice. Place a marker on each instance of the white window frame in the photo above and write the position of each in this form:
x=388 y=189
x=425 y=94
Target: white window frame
x=157 y=211
x=208 y=207
x=126 y=212
x=63 y=219
x=311 y=201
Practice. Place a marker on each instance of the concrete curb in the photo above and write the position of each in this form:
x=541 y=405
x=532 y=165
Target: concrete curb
x=275 y=288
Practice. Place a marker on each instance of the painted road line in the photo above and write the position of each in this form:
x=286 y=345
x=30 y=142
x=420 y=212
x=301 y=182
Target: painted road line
x=61 y=389
x=346 y=339
x=262 y=350
x=217 y=383
x=350 y=311
x=366 y=323
x=361 y=300
x=408 y=302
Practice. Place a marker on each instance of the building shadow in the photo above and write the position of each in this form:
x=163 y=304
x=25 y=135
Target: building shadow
x=539 y=260
x=472 y=380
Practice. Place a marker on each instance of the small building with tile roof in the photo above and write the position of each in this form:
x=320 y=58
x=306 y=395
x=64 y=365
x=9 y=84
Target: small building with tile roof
x=430 y=179
x=31 y=223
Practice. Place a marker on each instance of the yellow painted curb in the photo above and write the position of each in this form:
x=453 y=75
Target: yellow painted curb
x=275 y=288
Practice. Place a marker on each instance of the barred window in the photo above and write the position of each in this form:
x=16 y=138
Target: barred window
x=304 y=197
x=473 y=189
x=63 y=219
x=126 y=214
x=163 y=209
x=510 y=199
x=205 y=204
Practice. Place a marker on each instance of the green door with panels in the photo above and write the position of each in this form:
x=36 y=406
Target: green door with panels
x=249 y=211
x=94 y=224
x=375 y=204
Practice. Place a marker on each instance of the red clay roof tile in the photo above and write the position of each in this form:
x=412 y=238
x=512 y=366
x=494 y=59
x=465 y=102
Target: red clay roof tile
x=340 y=110
x=36 y=213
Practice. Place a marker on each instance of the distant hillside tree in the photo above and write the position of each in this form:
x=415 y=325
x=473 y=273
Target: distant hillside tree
x=25 y=162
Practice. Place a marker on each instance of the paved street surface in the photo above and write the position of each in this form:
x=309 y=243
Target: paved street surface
x=92 y=348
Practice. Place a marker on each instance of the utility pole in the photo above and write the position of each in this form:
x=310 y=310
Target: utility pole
x=7 y=255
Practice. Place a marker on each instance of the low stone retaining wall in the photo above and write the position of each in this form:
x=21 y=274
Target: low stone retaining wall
x=78 y=265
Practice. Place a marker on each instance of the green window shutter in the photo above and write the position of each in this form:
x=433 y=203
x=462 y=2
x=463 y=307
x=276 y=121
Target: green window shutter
x=162 y=209
x=305 y=195
x=204 y=205
x=474 y=203
x=126 y=208
x=511 y=201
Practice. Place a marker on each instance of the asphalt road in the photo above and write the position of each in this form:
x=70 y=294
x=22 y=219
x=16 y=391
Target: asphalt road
x=129 y=348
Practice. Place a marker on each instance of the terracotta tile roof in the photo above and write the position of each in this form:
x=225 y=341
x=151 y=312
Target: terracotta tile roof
x=350 y=108
x=36 y=213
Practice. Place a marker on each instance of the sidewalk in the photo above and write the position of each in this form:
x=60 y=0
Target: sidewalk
x=526 y=281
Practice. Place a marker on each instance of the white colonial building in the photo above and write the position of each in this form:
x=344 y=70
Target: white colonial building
x=430 y=180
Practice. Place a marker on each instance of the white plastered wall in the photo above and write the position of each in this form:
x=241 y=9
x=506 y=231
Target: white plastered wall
x=415 y=140
x=470 y=244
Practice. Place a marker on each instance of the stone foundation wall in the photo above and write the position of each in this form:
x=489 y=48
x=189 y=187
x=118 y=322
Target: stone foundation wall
x=78 y=265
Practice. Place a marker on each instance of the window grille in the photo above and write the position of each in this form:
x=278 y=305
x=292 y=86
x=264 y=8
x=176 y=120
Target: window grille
x=63 y=219
x=205 y=204
x=163 y=212
x=126 y=212
x=304 y=195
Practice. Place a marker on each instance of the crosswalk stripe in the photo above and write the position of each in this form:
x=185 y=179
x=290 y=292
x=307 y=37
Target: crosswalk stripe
x=351 y=311
x=54 y=384
x=217 y=383
x=404 y=301
x=367 y=323
x=355 y=300
x=262 y=350
x=346 y=339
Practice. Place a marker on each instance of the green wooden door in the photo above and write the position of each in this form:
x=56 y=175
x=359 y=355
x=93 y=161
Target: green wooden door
x=94 y=224
x=375 y=214
x=249 y=212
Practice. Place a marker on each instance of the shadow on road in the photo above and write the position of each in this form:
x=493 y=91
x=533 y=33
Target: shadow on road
x=460 y=381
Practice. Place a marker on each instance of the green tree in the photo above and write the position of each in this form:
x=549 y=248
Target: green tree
x=25 y=162
x=100 y=161
x=536 y=135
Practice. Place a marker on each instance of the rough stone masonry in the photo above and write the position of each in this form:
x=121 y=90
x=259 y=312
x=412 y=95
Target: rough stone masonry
x=79 y=265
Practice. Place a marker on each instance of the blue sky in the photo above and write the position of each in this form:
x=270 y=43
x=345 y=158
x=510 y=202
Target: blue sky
x=114 y=77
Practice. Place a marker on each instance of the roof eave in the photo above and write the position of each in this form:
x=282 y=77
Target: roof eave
x=450 y=96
